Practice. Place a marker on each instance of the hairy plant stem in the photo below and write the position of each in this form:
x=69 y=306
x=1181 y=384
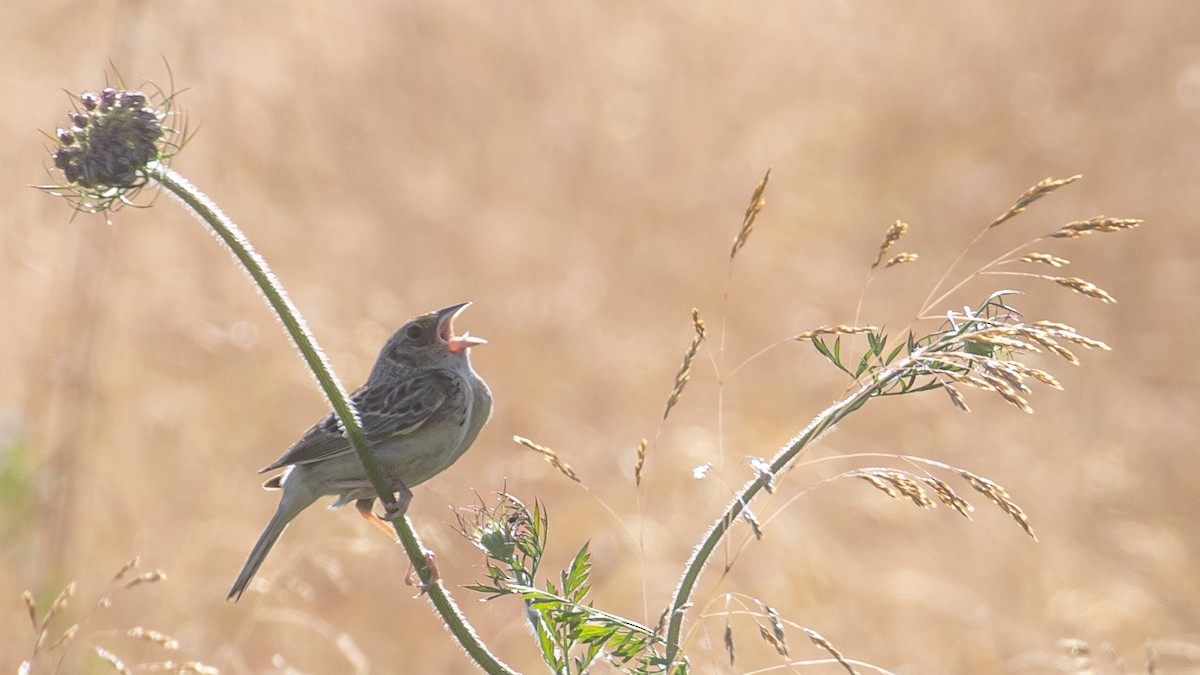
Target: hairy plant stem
x=823 y=422
x=256 y=266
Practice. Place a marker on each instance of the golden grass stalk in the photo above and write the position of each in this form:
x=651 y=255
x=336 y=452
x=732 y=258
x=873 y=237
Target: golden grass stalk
x=975 y=348
x=113 y=660
x=1033 y=194
x=956 y=397
x=999 y=496
x=1045 y=259
x=1069 y=334
x=67 y=636
x=835 y=330
x=948 y=496
x=1079 y=228
x=146 y=578
x=60 y=603
x=893 y=234
x=133 y=562
x=1046 y=340
x=900 y=259
x=1084 y=288
x=685 y=369
x=550 y=456
x=777 y=630
x=770 y=639
x=164 y=641
x=895 y=484
x=756 y=204
x=31 y=606
x=821 y=642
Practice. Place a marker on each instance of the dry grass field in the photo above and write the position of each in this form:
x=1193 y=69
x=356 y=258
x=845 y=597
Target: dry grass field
x=578 y=170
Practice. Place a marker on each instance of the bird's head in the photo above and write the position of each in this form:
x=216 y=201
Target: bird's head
x=428 y=341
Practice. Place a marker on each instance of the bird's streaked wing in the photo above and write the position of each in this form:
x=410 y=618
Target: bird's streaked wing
x=385 y=412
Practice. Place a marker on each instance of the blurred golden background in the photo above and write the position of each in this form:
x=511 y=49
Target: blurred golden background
x=578 y=170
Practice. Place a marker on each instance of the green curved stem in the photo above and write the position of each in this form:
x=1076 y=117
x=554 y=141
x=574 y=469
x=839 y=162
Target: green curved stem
x=232 y=236
x=823 y=422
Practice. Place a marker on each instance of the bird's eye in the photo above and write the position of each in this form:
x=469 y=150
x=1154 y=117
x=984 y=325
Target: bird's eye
x=413 y=332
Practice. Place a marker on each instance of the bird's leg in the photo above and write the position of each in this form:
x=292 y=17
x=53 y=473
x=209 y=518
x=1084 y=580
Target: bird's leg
x=391 y=511
x=366 y=510
x=397 y=508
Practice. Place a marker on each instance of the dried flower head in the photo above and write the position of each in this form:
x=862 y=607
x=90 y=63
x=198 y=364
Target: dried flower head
x=113 y=135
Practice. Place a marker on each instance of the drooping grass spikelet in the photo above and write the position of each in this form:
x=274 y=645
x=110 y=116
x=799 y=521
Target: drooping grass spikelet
x=1070 y=335
x=550 y=456
x=821 y=642
x=956 y=397
x=948 y=496
x=900 y=259
x=756 y=204
x=60 y=602
x=895 y=484
x=771 y=638
x=133 y=562
x=1009 y=387
x=164 y=641
x=999 y=496
x=113 y=660
x=777 y=629
x=1079 y=228
x=1084 y=287
x=893 y=234
x=146 y=578
x=67 y=636
x=1033 y=194
x=1046 y=259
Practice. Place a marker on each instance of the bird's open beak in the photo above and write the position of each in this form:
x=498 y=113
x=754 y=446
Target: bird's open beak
x=445 y=328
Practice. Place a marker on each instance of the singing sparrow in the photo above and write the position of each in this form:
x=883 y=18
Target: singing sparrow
x=421 y=408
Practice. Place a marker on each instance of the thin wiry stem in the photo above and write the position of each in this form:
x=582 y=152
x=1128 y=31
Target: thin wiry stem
x=281 y=304
x=716 y=533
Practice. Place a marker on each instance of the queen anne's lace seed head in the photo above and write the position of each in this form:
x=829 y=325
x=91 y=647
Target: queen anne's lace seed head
x=113 y=135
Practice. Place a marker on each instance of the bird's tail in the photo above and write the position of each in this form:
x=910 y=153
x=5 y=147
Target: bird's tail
x=287 y=510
